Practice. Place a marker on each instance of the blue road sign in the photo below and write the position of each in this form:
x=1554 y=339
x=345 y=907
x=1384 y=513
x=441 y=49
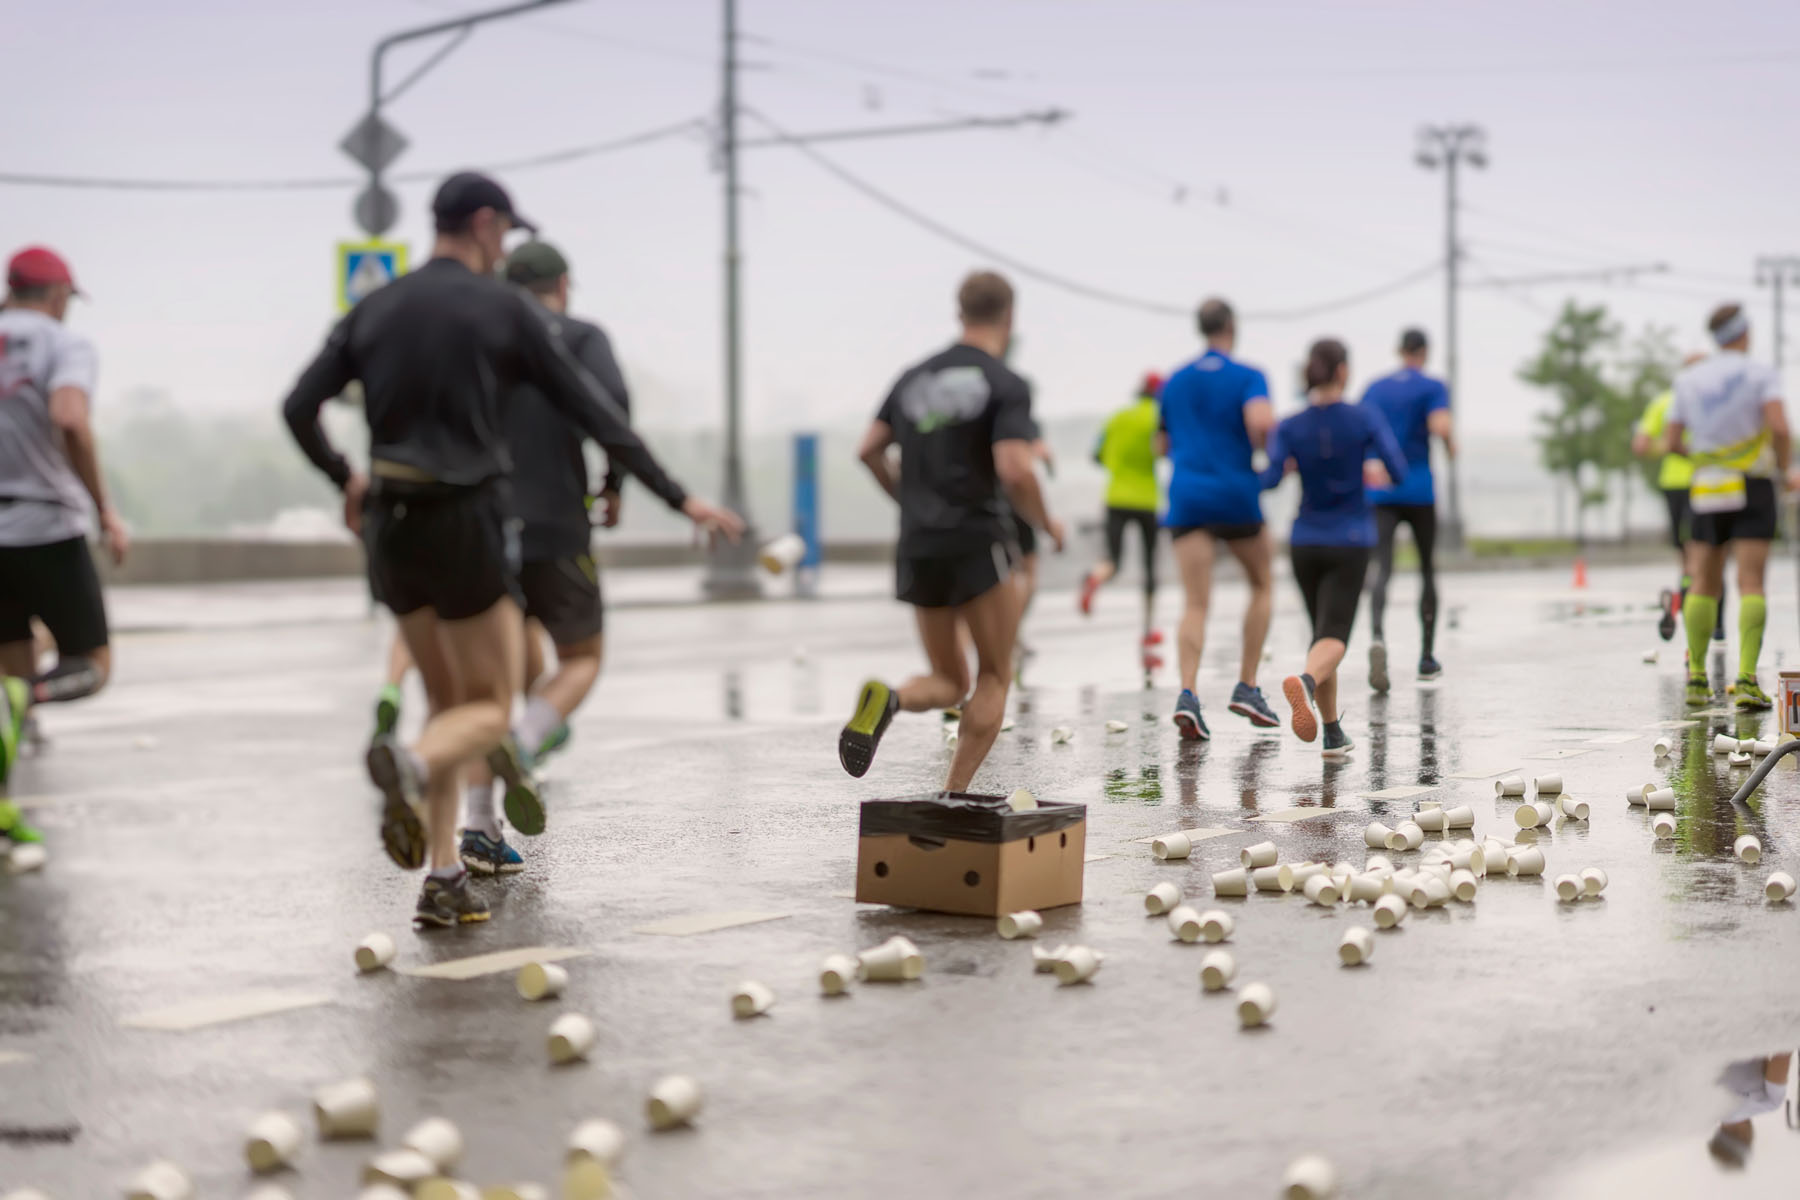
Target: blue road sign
x=364 y=266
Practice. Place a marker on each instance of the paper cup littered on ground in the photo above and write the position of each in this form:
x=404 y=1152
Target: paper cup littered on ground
x=1431 y=820
x=1366 y=888
x=1533 y=814
x=1375 y=835
x=1256 y=1004
x=272 y=1141
x=1263 y=854
x=571 y=1037
x=1161 y=898
x=1217 y=970
x=1322 y=890
x=1044 y=959
x=1184 y=923
x=1547 y=786
x=1077 y=965
x=1216 y=925
x=1573 y=809
x=1172 y=846
x=347 y=1109
x=1510 y=785
x=1388 y=912
x=1747 y=849
x=586 y=1179
x=1593 y=881
x=1355 y=947
x=1309 y=1178
x=1570 y=887
x=374 y=952
x=1022 y=924
x=262 y=1191
x=1116 y=727
x=1779 y=887
x=1379 y=862
x=1662 y=746
x=1460 y=817
x=894 y=961
x=1762 y=749
x=1235 y=882
x=1436 y=890
x=445 y=1188
x=1724 y=745
x=404 y=1169
x=751 y=999
x=1463 y=885
x=1300 y=873
x=674 y=1101
x=1663 y=825
x=835 y=974
x=439 y=1140
x=1739 y=758
x=161 y=1180
x=26 y=857
x=1660 y=800
x=598 y=1139
x=1060 y=735
x=1524 y=862
x=1279 y=878
x=1021 y=800
x=541 y=981
x=1406 y=836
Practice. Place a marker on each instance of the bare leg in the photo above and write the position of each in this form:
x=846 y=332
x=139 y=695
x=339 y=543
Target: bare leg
x=1322 y=664
x=577 y=670
x=947 y=682
x=535 y=666
x=400 y=661
x=993 y=621
x=1194 y=555
x=1255 y=555
x=443 y=692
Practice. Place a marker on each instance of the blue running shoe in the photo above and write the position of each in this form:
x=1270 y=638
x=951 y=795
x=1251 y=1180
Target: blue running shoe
x=485 y=855
x=1247 y=701
x=1188 y=719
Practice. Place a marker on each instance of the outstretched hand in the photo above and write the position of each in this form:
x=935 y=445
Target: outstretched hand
x=1375 y=475
x=711 y=521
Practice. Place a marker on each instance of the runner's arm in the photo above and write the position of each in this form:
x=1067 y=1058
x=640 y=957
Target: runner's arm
x=326 y=376
x=1016 y=466
x=1443 y=428
x=1259 y=421
x=596 y=354
x=1673 y=434
x=1277 y=468
x=69 y=413
x=1775 y=417
x=874 y=455
x=1387 y=449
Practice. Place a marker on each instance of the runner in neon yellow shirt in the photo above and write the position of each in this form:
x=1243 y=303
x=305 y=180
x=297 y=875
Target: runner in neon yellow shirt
x=1127 y=449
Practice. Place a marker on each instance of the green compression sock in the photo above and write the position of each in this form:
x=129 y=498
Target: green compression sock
x=1753 y=611
x=1698 y=615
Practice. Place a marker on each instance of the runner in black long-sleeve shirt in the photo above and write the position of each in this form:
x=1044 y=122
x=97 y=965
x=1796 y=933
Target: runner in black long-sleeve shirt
x=435 y=352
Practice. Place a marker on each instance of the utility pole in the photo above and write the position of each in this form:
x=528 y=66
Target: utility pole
x=1776 y=271
x=1450 y=146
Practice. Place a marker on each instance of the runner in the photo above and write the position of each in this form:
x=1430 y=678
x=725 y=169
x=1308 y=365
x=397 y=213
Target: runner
x=1330 y=445
x=963 y=423
x=1674 y=475
x=1730 y=412
x=1215 y=413
x=50 y=481
x=1416 y=408
x=1127 y=449
x=433 y=350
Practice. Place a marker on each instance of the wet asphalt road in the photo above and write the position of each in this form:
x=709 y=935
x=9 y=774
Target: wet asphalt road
x=211 y=835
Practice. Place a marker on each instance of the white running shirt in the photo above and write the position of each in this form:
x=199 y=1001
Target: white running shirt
x=1719 y=400
x=42 y=500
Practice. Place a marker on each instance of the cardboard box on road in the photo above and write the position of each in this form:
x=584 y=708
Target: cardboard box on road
x=958 y=853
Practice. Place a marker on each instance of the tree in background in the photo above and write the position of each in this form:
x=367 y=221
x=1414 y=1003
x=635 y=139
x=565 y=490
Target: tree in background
x=1649 y=367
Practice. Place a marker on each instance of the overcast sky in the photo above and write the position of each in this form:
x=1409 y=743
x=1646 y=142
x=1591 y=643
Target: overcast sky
x=1619 y=133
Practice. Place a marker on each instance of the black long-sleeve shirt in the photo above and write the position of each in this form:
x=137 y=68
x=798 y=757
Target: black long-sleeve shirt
x=437 y=351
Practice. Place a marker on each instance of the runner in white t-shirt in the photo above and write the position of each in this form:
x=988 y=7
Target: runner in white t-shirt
x=1728 y=409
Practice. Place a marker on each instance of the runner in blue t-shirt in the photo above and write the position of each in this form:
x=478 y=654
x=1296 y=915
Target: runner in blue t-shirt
x=1215 y=413
x=1329 y=444
x=1417 y=408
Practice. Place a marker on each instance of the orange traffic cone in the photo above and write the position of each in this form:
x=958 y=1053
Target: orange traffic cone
x=1580 y=572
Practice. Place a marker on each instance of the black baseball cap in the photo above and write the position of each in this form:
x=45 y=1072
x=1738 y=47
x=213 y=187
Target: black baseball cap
x=467 y=192
x=535 y=262
x=1412 y=341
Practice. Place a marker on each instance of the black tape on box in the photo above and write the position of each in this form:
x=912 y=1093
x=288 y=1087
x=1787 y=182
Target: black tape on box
x=966 y=818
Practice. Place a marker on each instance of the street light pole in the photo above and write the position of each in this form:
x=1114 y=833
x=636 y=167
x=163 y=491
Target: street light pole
x=1450 y=146
x=1776 y=271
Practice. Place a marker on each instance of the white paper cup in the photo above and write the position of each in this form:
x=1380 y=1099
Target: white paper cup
x=1663 y=825
x=951 y=737
x=1525 y=861
x=1379 y=862
x=835 y=974
x=1044 y=959
x=1235 y=882
x=1573 y=809
x=1406 y=836
x=1299 y=874
x=1462 y=885
x=347 y=1109
x=784 y=552
x=262 y=1191
x=598 y=1139
x=1388 y=911
x=1256 y=1004
x=895 y=960
x=1779 y=887
x=1662 y=746
x=1217 y=970
x=1216 y=925
x=1165 y=896
x=374 y=952
x=1460 y=817
x=1116 y=727
x=26 y=857
x=1652 y=654
x=751 y=999
x=1263 y=854
x=1172 y=846
x=404 y=1169
x=1660 y=800
x=272 y=1141
x=1309 y=1178
x=1593 y=881
x=1279 y=878
x=674 y=1101
x=1184 y=923
x=445 y=1188
x=383 y=1191
x=1060 y=735
x=1366 y=888
x=161 y=1180
x=1375 y=835
x=1021 y=800
x=1355 y=947
x=1022 y=924
x=1533 y=814
x=1747 y=849
x=541 y=981
x=1724 y=745
x=1511 y=785
x=1322 y=890
x=1437 y=891
x=571 y=1037
x=439 y=1140
x=583 y=1179
x=1762 y=749
x=1077 y=966
x=1547 y=785
x=1570 y=887
x=1739 y=758
x=1431 y=820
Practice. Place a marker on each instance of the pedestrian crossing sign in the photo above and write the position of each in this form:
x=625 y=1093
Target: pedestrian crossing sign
x=364 y=266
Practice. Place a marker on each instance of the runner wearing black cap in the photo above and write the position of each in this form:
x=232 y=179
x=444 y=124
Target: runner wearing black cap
x=49 y=478
x=435 y=351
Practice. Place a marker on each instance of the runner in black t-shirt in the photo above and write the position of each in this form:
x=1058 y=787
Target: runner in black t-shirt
x=963 y=424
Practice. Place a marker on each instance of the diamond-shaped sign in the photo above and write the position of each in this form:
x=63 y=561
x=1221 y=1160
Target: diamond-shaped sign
x=373 y=143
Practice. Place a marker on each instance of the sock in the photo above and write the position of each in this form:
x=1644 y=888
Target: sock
x=70 y=679
x=453 y=874
x=1698 y=614
x=1753 y=611
x=478 y=809
x=536 y=723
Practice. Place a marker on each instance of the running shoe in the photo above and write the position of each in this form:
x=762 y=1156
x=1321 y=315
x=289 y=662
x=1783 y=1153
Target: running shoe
x=1429 y=669
x=1666 y=626
x=1699 y=691
x=1188 y=719
x=447 y=903
x=1247 y=701
x=402 y=812
x=1338 y=744
x=1298 y=689
x=15 y=699
x=486 y=855
x=524 y=806
x=13 y=826
x=1089 y=586
x=553 y=741
x=387 y=710
x=875 y=709
x=952 y=715
x=1378 y=676
x=1750 y=695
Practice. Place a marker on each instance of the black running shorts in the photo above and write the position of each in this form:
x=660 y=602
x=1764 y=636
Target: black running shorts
x=1024 y=535
x=1331 y=582
x=453 y=550
x=563 y=595
x=57 y=584
x=1224 y=533
x=1681 y=515
x=947 y=580
x=1753 y=522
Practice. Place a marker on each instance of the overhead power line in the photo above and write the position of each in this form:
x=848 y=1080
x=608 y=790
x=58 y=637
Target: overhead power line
x=1619 y=274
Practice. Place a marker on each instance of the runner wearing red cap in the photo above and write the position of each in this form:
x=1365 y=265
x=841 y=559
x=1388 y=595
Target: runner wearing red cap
x=1127 y=449
x=49 y=479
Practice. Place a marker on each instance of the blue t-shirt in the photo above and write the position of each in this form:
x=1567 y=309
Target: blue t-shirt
x=1329 y=444
x=1407 y=398
x=1203 y=414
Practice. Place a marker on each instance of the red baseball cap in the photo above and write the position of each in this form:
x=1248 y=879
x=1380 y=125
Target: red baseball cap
x=38 y=266
x=1152 y=384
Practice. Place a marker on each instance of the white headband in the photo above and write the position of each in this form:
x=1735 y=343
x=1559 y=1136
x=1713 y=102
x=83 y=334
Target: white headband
x=1732 y=330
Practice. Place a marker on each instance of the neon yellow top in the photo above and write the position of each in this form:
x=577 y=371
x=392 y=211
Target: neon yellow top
x=1676 y=472
x=1128 y=452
